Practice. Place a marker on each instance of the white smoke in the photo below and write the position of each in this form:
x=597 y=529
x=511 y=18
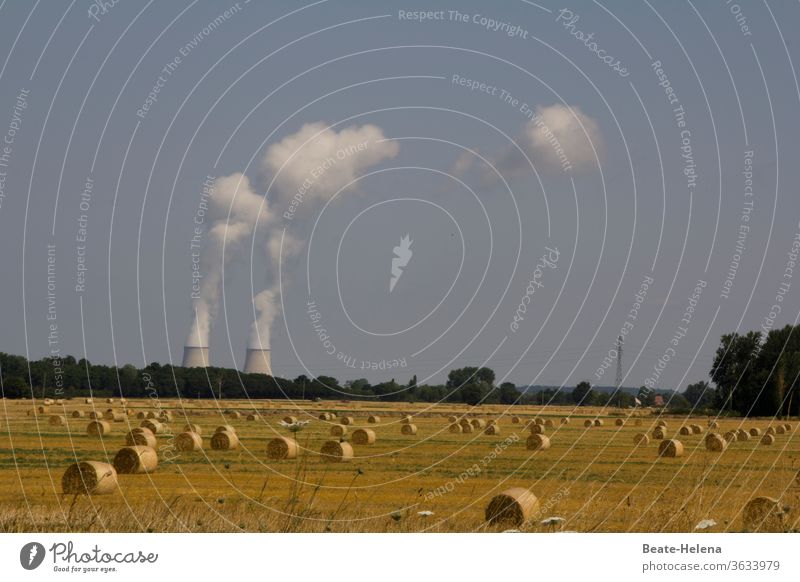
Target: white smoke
x=305 y=170
x=233 y=211
x=309 y=168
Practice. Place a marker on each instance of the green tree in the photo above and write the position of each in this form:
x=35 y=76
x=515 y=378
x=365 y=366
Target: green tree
x=508 y=393
x=700 y=395
x=583 y=395
x=15 y=387
x=733 y=369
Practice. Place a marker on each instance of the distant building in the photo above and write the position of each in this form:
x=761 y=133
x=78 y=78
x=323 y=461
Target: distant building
x=659 y=400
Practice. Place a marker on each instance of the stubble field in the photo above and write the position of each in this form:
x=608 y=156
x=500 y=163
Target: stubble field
x=595 y=478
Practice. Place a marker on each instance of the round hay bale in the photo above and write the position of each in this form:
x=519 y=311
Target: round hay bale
x=224 y=441
x=89 y=478
x=141 y=415
x=454 y=428
x=123 y=400
x=755 y=431
x=225 y=428
x=763 y=514
x=49 y=401
x=780 y=429
x=98 y=428
x=142 y=437
x=325 y=416
x=452 y=419
x=491 y=422
x=282 y=448
x=537 y=442
x=336 y=452
x=154 y=426
x=87 y=400
x=715 y=443
x=730 y=436
x=408 y=429
x=512 y=507
x=767 y=439
x=135 y=460
x=659 y=433
x=713 y=424
x=363 y=436
x=696 y=429
x=94 y=415
x=346 y=420
x=374 y=419
x=233 y=414
x=770 y=430
x=661 y=423
x=251 y=417
x=549 y=423
x=515 y=420
x=537 y=429
x=192 y=428
x=685 y=431
x=598 y=422
x=564 y=420
x=742 y=435
x=478 y=423
x=406 y=419
x=788 y=427
x=110 y=400
x=165 y=416
x=493 y=429
x=464 y=422
x=42 y=409
x=641 y=439
x=189 y=441
x=289 y=419
x=538 y=421
x=467 y=428
x=588 y=423
x=637 y=422
x=78 y=414
x=117 y=417
x=619 y=422
x=59 y=401
x=151 y=414
x=57 y=420
x=670 y=448
x=338 y=430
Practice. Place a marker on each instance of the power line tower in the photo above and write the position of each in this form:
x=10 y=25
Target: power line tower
x=618 y=381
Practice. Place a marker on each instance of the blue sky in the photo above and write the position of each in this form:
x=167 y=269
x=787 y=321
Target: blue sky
x=247 y=83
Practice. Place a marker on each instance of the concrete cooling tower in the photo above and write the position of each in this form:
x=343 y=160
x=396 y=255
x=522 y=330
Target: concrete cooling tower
x=258 y=362
x=195 y=357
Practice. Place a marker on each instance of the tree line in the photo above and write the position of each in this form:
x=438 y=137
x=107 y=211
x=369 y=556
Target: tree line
x=753 y=374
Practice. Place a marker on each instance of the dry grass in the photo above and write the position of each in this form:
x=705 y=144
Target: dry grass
x=595 y=478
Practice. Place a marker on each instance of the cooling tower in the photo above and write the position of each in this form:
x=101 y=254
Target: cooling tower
x=195 y=357
x=258 y=362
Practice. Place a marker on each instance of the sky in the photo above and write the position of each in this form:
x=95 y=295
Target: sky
x=386 y=189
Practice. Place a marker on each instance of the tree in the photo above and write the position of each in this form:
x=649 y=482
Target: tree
x=16 y=387
x=583 y=394
x=678 y=402
x=508 y=393
x=700 y=395
x=733 y=369
x=646 y=396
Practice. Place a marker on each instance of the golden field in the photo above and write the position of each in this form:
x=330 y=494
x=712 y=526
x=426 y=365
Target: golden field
x=595 y=478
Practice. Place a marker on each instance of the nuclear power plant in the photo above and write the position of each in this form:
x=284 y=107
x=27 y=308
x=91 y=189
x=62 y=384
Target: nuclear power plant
x=258 y=362
x=195 y=357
